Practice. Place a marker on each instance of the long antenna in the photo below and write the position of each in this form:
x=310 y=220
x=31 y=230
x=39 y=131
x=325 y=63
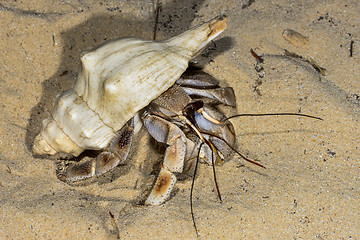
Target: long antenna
x=192 y=189
x=271 y=114
x=232 y=148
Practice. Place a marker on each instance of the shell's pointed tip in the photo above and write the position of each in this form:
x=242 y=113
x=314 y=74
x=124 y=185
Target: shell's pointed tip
x=41 y=147
x=218 y=26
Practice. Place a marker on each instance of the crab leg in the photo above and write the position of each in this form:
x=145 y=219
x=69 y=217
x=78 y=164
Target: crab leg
x=179 y=149
x=115 y=153
x=200 y=84
x=224 y=129
x=223 y=95
x=197 y=78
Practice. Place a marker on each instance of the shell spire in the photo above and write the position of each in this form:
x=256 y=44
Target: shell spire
x=117 y=79
x=198 y=37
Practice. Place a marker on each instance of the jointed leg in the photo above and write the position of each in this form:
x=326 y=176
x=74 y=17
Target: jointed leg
x=179 y=148
x=116 y=153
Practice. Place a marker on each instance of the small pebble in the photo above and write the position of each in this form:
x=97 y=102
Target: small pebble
x=295 y=38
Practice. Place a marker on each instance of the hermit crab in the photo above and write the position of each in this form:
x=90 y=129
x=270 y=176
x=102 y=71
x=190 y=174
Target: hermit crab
x=131 y=80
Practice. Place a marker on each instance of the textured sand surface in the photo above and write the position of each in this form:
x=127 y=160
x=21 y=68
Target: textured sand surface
x=310 y=187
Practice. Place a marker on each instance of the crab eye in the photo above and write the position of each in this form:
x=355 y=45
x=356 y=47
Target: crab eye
x=192 y=107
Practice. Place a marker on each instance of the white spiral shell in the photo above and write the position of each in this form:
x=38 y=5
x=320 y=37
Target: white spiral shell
x=116 y=80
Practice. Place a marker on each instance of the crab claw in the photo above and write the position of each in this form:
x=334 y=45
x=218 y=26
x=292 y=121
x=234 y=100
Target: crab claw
x=114 y=154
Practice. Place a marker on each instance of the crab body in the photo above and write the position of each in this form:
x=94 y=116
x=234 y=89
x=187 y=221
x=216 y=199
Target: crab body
x=178 y=119
x=183 y=122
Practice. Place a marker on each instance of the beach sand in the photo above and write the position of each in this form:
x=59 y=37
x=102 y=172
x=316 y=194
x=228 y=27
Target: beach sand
x=310 y=187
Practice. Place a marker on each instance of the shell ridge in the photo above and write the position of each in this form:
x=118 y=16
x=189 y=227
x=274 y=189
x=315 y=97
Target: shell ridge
x=88 y=83
x=140 y=43
x=62 y=130
x=68 y=119
x=58 y=125
x=105 y=49
x=175 y=72
x=133 y=49
x=163 y=55
x=94 y=112
x=96 y=63
x=159 y=71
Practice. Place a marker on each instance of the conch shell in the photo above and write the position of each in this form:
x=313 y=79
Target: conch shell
x=116 y=80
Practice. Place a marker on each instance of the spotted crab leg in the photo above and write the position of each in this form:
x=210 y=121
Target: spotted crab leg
x=179 y=149
x=116 y=152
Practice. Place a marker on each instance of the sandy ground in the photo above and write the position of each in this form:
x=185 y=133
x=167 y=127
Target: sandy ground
x=310 y=187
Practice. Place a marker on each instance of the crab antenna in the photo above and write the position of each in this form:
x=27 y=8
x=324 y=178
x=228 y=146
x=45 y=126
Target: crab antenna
x=211 y=146
x=271 y=114
x=232 y=148
x=214 y=151
x=192 y=188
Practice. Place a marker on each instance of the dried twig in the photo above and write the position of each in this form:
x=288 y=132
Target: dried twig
x=115 y=226
x=258 y=58
x=157 y=6
x=351 y=48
